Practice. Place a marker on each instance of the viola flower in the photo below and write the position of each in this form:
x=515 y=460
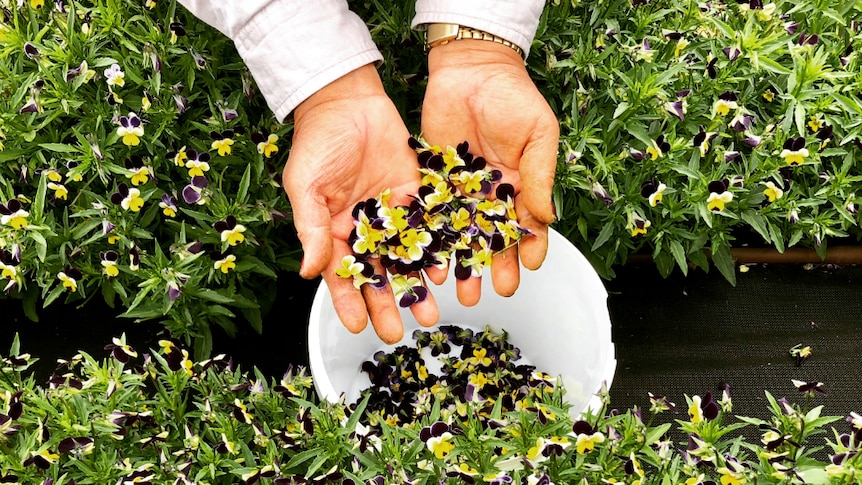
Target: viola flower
x=31 y=51
x=639 y=226
x=726 y=101
x=438 y=439
x=408 y=291
x=732 y=53
x=772 y=192
x=82 y=70
x=794 y=152
x=131 y=129
x=653 y=190
x=768 y=95
x=31 y=106
x=60 y=190
x=42 y=459
x=677 y=108
x=70 y=277
x=13 y=215
x=177 y=30
x=180 y=156
x=138 y=172
x=193 y=192
x=230 y=231
x=809 y=388
x=115 y=76
x=109 y=263
x=701 y=141
x=197 y=163
x=702 y=409
x=168 y=205
x=658 y=148
x=719 y=196
x=134 y=258
x=222 y=141
x=225 y=264
x=586 y=437
x=266 y=144
x=741 y=122
x=121 y=351
x=733 y=473
x=128 y=198
x=751 y=140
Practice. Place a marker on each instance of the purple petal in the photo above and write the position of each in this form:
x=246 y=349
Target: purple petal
x=190 y=194
x=200 y=182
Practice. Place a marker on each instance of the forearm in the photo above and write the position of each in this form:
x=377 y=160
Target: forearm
x=293 y=48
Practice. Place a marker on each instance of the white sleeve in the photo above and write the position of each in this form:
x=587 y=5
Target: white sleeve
x=513 y=20
x=293 y=48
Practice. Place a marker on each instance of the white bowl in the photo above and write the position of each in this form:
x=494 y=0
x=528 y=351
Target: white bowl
x=558 y=318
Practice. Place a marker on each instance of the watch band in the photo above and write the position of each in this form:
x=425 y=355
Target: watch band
x=441 y=34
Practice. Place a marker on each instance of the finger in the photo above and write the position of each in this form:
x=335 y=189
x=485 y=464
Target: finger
x=426 y=311
x=469 y=291
x=532 y=248
x=437 y=275
x=313 y=223
x=382 y=309
x=506 y=271
x=537 y=167
x=346 y=298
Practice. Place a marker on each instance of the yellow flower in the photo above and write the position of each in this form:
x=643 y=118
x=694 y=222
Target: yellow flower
x=441 y=445
x=110 y=268
x=768 y=95
x=451 y=159
x=131 y=129
x=233 y=236
x=113 y=239
x=716 y=202
x=226 y=264
x=223 y=146
x=17 y=220
x=722 y=107
x=180 y=157
x=268 y=147
x=53 y=175
x=197 y=168
x=37 y=3
x=681 y=44
x=8 y=271
x=640 y=226
x=587 y=442
x=133 y=201
x=657 y=196
x=814 y=124
x=480 y=357
x=349 y=267
x=140 y=176
x=68 y=282
x=60 y=190
x=772 y=192
x=695 y=413
x=146 y=104
x=794 y=157
x=150 y=4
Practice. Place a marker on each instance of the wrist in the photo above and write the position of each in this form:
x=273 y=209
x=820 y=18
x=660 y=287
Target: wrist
x=471 y=53
x=359 y=83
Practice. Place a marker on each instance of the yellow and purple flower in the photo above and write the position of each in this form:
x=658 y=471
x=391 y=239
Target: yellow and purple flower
x=139 y=173
x=794 y=152
x=266 y=143
x=225 y=263
x=115 y=76
x=719 y=196
x=131 y=129
x=13 y=215
x=222 y=142
x=109 y=263
x=772 y=192
x=168 y=205
x=128 y=198
x=726 y=101
x=70 y=277
x=230 y=231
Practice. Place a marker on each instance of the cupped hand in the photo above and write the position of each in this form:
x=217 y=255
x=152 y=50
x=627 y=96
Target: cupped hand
x=480 y=91
x=349 y=144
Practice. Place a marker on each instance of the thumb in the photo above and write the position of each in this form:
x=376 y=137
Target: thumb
x=314 y=227
x=537 y=167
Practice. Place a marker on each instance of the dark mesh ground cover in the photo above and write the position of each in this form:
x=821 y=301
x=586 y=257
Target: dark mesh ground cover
x=675 y=336
x=687 y=335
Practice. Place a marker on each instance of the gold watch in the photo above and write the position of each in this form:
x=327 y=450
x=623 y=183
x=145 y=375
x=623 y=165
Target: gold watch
x=441 y=34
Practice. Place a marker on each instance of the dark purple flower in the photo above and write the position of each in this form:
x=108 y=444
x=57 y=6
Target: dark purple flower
x=193 y=192
x=31 y=50
x=732 y=53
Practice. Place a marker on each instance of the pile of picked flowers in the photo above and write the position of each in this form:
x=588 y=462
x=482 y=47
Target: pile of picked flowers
x=450 y=366
x=456 y=216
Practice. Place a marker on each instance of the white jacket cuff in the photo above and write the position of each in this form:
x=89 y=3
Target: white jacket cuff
x=293 y=48
x=513 y=20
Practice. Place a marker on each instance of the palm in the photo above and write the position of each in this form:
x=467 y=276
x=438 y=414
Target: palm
x=345 y=152
x=481 y=92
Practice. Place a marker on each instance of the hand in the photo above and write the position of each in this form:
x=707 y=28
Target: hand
x=349 y=144
x=480 y=91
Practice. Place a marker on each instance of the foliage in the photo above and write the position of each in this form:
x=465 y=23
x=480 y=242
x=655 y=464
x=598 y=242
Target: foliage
x=160 y=418
x=138 y=163
x=761 y=97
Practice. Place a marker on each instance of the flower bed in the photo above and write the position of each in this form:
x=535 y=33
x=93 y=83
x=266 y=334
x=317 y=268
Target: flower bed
x=159 y=417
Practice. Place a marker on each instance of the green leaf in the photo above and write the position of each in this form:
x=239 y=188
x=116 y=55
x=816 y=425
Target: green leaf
x=664 y=262
x=211 y=295
x=242 y=193
x=254 y=318
x=621 y=108
x=605 y=234
x=41 y=245
x=678 y=253
x=723 y=260
x=59 y=147
x=850 y=105
x=757 y=222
